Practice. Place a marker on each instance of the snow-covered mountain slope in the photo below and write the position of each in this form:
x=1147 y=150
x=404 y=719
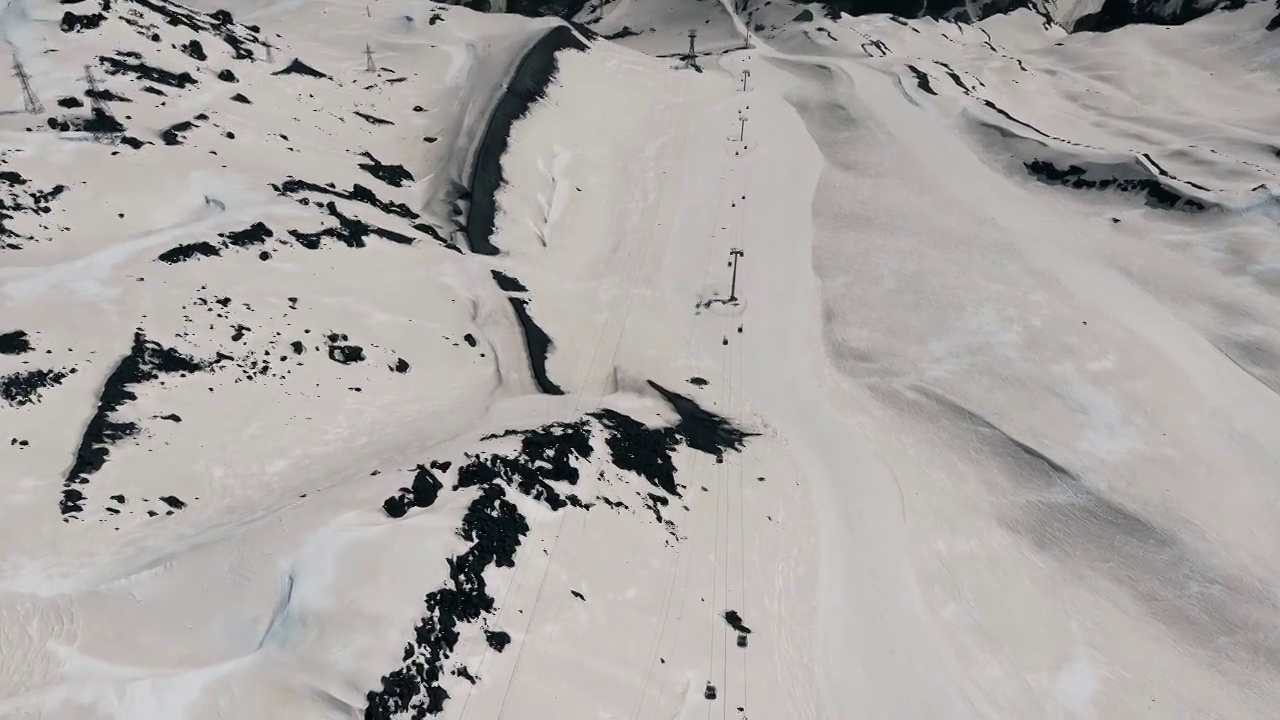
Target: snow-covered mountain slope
x=1072 y=15
x=399 y=360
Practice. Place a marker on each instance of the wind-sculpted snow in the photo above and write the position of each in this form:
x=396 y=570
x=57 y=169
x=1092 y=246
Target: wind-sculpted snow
x=546 y=467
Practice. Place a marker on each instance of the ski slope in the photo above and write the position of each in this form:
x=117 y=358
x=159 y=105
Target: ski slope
x=432 y=389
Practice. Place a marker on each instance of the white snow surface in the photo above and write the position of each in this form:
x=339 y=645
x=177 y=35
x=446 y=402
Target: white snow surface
x=1013 y=442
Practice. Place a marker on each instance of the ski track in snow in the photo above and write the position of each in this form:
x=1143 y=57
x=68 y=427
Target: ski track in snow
x=877 y=367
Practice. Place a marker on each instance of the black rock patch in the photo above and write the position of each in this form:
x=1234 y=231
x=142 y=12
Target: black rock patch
x=217 y=24
x=18 y=197
x=342 y=353
x=145 y=362
x=23 y=388
x=143 y=71
x=538 y=344
x=182 y=253
x=14 y=342
x=74 y=23
x=70 y=102
x=1157 y=193
x=393 y=175
x=297 y=67
x=255 y=234
x=922 y=79
x=735 y=621
x=541 y=468
x=527 y=86
x=193 y=50
x=226 y=75
x=422 y=493
x=371 y=119
x=241 y=99
x=175 y=134
x=508 y=283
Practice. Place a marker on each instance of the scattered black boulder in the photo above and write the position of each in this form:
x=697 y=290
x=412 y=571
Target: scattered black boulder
x=393 y=175
x=14 y=342
x=297 y=67
x=23 y=388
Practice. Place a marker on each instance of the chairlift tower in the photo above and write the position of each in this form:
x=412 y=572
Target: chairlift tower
x=267 y=46
x=692 y=58
x=369 y=64
x=30 y=102
x=734 y=254
x=98 y=107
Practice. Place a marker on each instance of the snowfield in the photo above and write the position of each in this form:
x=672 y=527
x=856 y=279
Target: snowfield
x=401 y=360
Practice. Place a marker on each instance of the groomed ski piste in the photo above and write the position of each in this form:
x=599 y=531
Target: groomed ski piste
x=399 y=360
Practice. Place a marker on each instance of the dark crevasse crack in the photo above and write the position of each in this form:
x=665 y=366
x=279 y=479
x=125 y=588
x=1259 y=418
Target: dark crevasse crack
x=146 y=361
x=544 y=467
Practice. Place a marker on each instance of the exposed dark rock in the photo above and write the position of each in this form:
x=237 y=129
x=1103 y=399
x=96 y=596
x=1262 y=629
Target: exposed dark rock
x=174 y=134
x=527 y=85
x=1157 y=193
x=70 y=102
x=346 y=354
x=183 y=253
x=422 y=493
x=145 y=362
x=72 y=22
x=297 y=67
x=922 y=79
x=543 y=464
x=143 y=71
x=735 y=621
x=14 y=342
x=172 y=502
x=226 y=75
x=508 y=283
x=393 y=175
x=23 y=388
x=194 y=50
x=371 y=119
x=241 y=99
x=497 y=639
x=538 y=344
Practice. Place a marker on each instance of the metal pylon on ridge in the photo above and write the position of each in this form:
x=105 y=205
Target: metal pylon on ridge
x=369 y=64
x=98 y=106
x=30 y=102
